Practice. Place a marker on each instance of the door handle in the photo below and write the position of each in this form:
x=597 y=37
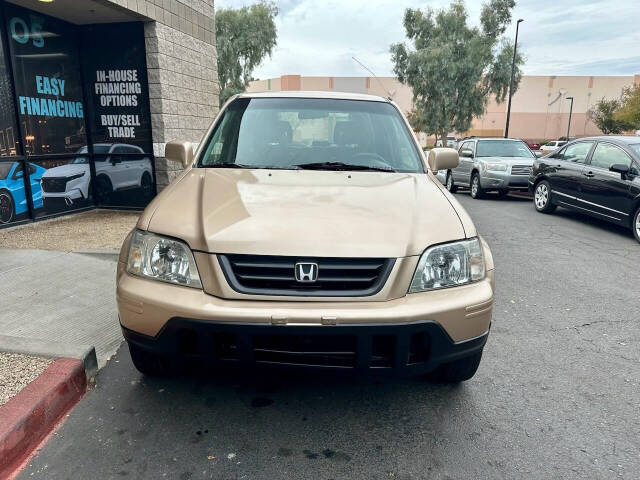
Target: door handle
x=589 y=174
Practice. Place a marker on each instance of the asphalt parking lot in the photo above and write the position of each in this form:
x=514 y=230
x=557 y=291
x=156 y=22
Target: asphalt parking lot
x=555 y=397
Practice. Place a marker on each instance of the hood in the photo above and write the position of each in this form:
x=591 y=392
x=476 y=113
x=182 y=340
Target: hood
x=305 y=213
x=64 y=171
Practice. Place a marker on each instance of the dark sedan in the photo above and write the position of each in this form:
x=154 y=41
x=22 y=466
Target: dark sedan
x=599 y=176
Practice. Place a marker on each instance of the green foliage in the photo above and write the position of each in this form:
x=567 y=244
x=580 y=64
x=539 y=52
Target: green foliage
x=603 y=115
x=454 y=68
x=244 y=36
x=629 y=112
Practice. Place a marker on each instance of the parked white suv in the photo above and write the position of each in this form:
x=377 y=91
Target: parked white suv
x=551 y=146
x=114 y=172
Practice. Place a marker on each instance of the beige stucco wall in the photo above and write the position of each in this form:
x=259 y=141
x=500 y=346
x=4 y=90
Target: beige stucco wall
x=531 y=115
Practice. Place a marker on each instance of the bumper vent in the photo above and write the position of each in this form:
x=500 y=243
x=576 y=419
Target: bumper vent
x=275 y=275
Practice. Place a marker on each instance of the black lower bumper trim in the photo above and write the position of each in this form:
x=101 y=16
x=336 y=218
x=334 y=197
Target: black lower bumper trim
x=404 y=349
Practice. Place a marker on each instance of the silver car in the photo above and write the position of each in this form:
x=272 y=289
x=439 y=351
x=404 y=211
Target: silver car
x=491 y=164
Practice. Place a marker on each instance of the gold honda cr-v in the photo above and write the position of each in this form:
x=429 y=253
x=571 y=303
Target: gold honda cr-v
x=307 y=230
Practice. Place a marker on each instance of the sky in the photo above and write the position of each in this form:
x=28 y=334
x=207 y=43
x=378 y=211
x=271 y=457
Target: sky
x=557 y=37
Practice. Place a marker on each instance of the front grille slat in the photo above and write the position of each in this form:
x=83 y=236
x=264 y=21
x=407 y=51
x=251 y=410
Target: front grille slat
x=275 y=275
x=521 y=170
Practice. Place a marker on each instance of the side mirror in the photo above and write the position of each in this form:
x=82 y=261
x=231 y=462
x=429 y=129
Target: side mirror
x=620 y=168
x=181 y=152
x=466 y=153
x=18 y=175
x=443 y=159
x=537 y=154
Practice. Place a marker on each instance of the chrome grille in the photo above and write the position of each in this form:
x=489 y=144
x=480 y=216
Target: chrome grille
x=521 y=170
x=275 y=275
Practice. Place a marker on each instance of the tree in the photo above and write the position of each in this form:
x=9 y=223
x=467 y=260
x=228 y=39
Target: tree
x=453 y=68
x=629 y=111
x=603 y=115
x=244 y=37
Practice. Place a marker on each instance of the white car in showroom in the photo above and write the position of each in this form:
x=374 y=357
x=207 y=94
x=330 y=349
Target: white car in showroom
x=115 y=171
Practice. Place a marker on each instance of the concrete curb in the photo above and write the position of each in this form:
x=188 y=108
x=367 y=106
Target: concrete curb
x=51 y=349
x=32 y=414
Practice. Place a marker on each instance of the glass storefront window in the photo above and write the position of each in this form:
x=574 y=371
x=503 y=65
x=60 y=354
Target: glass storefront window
x=114 y=66
x=8 y=137
x=47 y=81
x=56 y=66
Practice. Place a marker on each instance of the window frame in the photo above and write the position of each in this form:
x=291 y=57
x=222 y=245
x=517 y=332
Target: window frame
x=630 y=157
x=587 y=157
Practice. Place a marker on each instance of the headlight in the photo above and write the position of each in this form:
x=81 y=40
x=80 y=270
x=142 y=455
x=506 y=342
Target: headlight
x=449 y=265
x=498 y=167
x=73 y=177
x=162 y=258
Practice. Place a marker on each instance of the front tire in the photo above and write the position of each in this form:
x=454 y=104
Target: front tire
x=477 y=191
x=458 y=370
x=7 y=207
x=148 y=363
x=103 y=190
x=542 y=198
x=636 y=224
x=146 y=184
x=449 y=183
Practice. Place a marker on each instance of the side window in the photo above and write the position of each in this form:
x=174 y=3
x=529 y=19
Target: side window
x=17 y=173
x=607 y=154
x=575 y=153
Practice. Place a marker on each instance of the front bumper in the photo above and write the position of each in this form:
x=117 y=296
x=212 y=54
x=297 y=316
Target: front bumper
x=400 y=349
x=503 y=180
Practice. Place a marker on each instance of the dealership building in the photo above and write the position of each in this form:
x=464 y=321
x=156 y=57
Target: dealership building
x=90 y=92
x=539 y=111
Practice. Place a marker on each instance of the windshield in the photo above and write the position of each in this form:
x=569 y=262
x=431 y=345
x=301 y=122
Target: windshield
x=293 y=132
x=503 y=148
x=96 y=149
x=5 y=168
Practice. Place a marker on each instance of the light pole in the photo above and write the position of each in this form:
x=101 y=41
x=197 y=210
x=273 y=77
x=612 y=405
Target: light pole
x=513 y=67
x=570 y=112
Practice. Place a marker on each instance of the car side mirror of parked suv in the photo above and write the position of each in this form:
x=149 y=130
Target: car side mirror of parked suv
x=466 y=152
x=537 y=154
x=443 y=159
x=620 y=168
x=181 y=152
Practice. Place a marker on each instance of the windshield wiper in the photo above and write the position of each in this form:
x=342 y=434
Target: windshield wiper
x=341 y=166
x=254 y=167
x=229 y=165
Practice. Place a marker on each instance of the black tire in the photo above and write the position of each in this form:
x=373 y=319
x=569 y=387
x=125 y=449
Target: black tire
x=542 y=197
x=477 y=191
x=636 y=224
x=103 y=190
x=452 y=187
x=458 y=370
x=146 y=184
x=503 y=193
x=7 y=207
x=148 y=363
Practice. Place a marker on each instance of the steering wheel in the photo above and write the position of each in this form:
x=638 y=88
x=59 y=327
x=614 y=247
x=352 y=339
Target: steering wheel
x=379 y=160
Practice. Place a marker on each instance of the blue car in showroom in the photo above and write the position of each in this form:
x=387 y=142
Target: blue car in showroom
x=13 y=200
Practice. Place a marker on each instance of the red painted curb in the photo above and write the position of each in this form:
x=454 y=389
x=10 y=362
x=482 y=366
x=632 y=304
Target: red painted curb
x=27 y=418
